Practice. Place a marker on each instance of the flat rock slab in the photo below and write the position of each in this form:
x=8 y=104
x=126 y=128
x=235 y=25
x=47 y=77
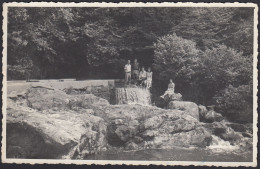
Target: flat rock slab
x=21 y=86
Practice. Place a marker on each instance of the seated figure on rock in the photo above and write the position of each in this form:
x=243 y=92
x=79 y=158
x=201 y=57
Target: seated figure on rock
x=169 y=94
x=142 y=77
x=170 y=89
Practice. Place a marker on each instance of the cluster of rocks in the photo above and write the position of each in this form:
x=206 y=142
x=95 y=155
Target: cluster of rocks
x=214 y=122
x=174 y=101
x=48 y=123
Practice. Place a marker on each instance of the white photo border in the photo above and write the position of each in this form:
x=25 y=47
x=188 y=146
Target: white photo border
x=127 y=162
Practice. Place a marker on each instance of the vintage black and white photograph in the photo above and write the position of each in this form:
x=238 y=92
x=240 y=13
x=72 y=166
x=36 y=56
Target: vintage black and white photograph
x=130 y=83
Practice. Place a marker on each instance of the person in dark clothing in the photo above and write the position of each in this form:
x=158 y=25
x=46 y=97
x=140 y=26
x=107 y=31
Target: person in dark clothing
x=27 y=74
x=136 y=69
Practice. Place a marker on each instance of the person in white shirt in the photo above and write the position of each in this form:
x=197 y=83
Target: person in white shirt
x=128 y=73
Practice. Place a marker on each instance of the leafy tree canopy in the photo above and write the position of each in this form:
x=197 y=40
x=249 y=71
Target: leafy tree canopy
x=73 y=42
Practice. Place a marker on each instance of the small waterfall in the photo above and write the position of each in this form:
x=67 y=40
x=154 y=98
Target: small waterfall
x=133 y=96
x=220 y=145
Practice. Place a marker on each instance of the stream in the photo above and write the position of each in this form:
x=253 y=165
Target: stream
x=176 y=154
x=218 y=151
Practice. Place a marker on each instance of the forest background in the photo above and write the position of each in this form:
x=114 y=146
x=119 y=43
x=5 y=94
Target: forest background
x=208 y=52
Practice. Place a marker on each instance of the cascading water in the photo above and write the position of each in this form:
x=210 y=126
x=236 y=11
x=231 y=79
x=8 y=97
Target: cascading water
x=133 y=96
x=219 y=145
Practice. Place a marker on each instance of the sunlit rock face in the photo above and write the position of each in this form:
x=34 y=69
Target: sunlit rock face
x=54 y=125
x=130 y=95
x=189 y=107
x=171 y=97
x=138 y=127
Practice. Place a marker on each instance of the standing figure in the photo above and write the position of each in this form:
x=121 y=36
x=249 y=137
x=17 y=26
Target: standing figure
x=170 y=89
x=136 y=70
x=27 y=74
x=142 y=77
x=127 y=73
x=149 y=76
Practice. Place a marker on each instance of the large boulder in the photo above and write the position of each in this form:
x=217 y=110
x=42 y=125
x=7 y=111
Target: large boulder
x=212 y=116
x=209 y=116
x=199 y=137
x=42 y=98
x=202 y=112
x=172 y=97
x=47 y=123
x=52 y=134
x=136 y=127
x=189 y=107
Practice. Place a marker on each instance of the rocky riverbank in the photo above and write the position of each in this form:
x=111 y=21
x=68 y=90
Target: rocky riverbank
x=46 y=122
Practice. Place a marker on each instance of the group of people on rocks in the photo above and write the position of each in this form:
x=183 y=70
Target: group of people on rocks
x=143 y=78
x=138 y=76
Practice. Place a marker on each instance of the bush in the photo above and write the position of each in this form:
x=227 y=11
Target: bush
x=236 y=103
x=24 y=68
x=15 y=72
x=201 y=75
x=176 y=58
x=220 y=67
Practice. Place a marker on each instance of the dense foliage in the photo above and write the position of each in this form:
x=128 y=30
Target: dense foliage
x=236 y=103
x=207 y=77
x=204 y=50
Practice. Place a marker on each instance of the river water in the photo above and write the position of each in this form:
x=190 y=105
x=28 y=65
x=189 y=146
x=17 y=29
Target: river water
x=133 y=95
x=175 y=154
x=218 y=151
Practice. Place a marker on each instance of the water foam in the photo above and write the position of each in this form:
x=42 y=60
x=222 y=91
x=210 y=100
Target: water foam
x=220 y=145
